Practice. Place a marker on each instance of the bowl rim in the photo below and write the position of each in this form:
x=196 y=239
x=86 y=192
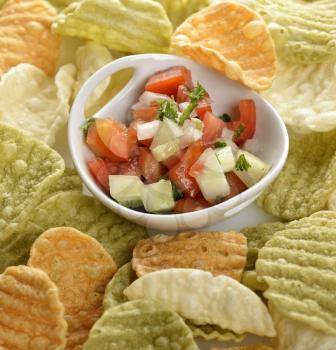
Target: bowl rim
x=96 y=191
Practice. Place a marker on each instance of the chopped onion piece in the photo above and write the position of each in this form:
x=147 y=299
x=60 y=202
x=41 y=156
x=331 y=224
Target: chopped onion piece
x=227 y=134
x=147 y=131
x=149 y=97
x=252 y=146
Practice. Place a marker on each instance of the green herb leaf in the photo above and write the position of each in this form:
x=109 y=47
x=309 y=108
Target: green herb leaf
x=220 y=144
x=196 y=94
x=242 y=164
x=241 y=128
x=168 y=109
x=178 y=194
x=225 y=117
x=86 y=126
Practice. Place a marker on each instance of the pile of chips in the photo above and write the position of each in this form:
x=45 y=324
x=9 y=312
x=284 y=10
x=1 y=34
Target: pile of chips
x=76 y=276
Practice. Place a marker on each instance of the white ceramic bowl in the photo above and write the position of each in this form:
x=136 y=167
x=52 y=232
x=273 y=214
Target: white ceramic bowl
x=226 y=94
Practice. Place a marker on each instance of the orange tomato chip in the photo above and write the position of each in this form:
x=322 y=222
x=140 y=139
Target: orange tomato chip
x=232 y=39
x=31 y=313
x=81 y=268
x=26 y=37
x=221 y=253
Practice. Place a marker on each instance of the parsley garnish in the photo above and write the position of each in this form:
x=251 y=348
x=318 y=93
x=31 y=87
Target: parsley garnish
x=178 y=194
x=195 y=95
x=86 y=126
x=219 y=144
x=168 y=109
x=242 y=164
x=241 y=128
x=225 y=117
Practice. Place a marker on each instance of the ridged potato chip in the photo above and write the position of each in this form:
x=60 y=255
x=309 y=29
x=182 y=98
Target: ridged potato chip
x=221 y=253
x=212 y=332
x=257 y=237
x=293 y=335
x=28 y=168
x=114 y=292
x=26 y=37
x=299 y=264
x=204 y=299
x=141 y=325
x=89 y=58
x=40 y=106
x=135 y=26
x=314 y=106
x=81 y=268
x=252 y=281
x=31 y=313
x=247 y=347
x=307 y=179
x=211 y=35
x=72 y=209
x=304 y=31
x=332 y=201
x=179 y=10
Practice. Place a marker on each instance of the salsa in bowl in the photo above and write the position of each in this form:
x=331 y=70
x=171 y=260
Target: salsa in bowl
x=180 y=146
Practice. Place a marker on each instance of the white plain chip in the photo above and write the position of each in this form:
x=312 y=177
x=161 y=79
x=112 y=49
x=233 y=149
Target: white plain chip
x=332 y=202
x=35 y=103
x=90 y=58
x=199 y=296
x=293 y=335
x=304 y=96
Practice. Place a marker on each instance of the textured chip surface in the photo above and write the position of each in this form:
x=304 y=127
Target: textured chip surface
x=89 y=58
x=256 y=237
x=28 y=168
x=304 y=31
x=178 y=11
x=81 y=268
x=72 y=209
x=247 y=347
x=141 y=325
x=25 y=35
x=204 y=299
x=135 y=26
x=212 y=332
x=332 y=201
x=31 y=313
x=114 y=292
x=40 y=105
x=221 y=253
x=299 y=265
x=210 y=37
x=293 y=335
x=307 y=179
x=314 y=106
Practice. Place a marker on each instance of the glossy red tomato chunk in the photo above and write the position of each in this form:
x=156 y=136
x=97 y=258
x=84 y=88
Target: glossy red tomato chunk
x=213 y=128
x=167 y=81
x=150 y=168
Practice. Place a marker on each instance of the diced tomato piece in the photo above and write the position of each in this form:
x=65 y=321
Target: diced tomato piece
x=204 y=106
x=179 y=173
x=173 y=160
x=182 y=94
x=146 y=114
x=196 y=169
x=247 y=121
x=213 y=128
x=101 y=169
x=202 y=200
x=168 y=81
x=150 y=168
x=133 y=148
x=186 y=205
x=236 y=185
x=114 y=136
x=131 y=167
x=97 y=145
